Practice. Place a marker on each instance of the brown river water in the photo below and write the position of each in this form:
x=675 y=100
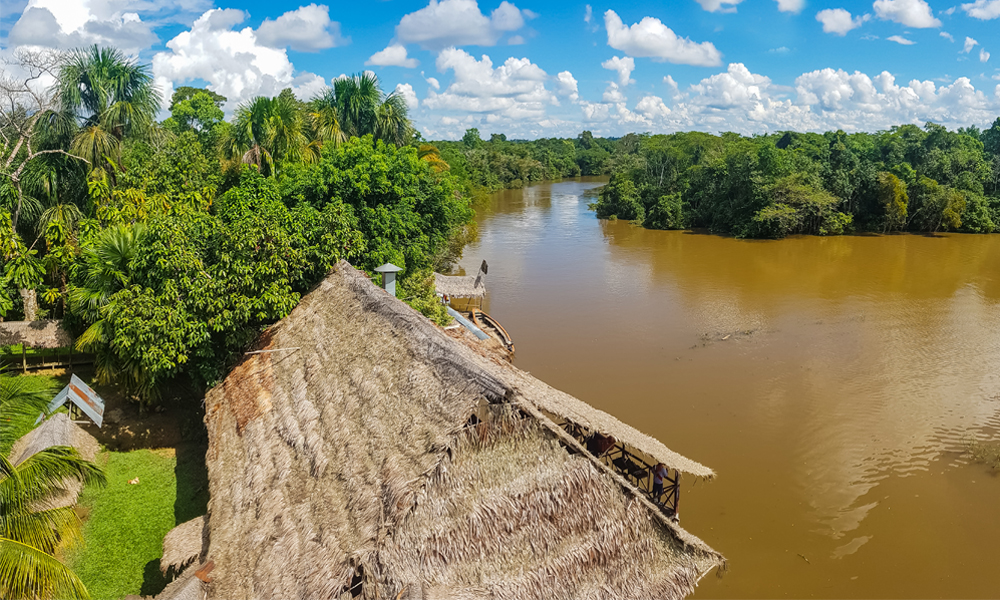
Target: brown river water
x=831 y=383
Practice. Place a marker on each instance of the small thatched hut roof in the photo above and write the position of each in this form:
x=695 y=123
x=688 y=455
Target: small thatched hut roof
x=341 y=461
x=185 y=587
x=47 y=333
x=462 y=286
x=185 y=544
x=57 y=430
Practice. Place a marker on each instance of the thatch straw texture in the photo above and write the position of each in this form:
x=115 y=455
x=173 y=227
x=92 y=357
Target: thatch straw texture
x=339 y=459
x=185 y=587
x=57 y=430
x=185 y=544
x=35 y=334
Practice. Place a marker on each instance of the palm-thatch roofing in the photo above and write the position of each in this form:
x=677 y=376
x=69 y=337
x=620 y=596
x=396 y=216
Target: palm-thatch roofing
x=47 y=333
x=185 y=544
x=57 y=430
x=341 y=463
x=462 y=286
x=185 y=587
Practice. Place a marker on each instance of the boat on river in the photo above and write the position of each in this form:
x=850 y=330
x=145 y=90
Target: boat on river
x=464 y=294
x=492 y=327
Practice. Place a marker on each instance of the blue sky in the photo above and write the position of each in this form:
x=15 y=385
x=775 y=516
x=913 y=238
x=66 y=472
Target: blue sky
x=539 y=69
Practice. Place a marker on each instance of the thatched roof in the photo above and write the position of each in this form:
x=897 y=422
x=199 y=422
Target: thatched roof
x=185 y=587
x=340 y=458
x=47 y=333
x=57 y=430
x=185 y=544
x=462 y=286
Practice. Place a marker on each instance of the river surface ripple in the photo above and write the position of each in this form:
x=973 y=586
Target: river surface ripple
x=830 y=382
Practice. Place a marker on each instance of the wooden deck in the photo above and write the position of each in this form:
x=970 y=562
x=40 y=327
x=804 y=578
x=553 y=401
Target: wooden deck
x=635 y=470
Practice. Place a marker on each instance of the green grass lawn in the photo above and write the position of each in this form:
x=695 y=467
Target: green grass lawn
x=123 y=533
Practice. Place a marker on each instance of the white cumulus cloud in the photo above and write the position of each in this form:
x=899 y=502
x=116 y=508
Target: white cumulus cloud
x=983 y=55
x=624 y=67
x=983 y=9
x=969 y=45
x=306 y=29
x=839 y=21
x=566 y=85
x=900 y=40
x=734 y=88
x=80 y=23
x=459 y=23
x=392 y=56
x=409 y=96
x=792 y=6
x=613 y=95
x=651 y=38
x=233 y=63
x=726 y=6
x=514 y=90
x=947 y=36
x=652 y=107
x=912 y=13
x=826 y=99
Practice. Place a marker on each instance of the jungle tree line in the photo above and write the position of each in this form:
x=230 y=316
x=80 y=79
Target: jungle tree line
x=908 y=178
x=498 y=163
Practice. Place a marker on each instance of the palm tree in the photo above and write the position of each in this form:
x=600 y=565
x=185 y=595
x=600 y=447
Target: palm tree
x=31 y=533
x=103 y=97
x=432 y=156
x=106 y=269
x=268 y=131
x=357 y=106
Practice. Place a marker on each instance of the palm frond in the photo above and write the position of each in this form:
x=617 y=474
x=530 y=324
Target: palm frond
x=20 y=405
x=27 y=572
x=47 y=530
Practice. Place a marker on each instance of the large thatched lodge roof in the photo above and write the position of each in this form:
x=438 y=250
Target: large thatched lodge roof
x=342 y=463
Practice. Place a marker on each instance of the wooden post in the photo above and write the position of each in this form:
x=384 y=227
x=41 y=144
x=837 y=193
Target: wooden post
x=24 y=359
x=677 y=495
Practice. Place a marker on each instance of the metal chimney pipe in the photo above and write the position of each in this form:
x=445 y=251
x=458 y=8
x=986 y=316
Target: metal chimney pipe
x=388 y=271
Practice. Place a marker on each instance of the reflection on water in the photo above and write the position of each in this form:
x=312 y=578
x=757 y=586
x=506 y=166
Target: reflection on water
x=830 y=382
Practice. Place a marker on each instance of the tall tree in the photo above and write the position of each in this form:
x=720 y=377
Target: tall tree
x=266 y=132
x=356 y=106
x=103 y=97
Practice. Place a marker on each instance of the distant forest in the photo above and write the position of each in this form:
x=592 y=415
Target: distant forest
x=905 y=179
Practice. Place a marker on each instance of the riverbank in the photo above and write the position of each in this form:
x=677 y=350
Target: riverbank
x=837 y=426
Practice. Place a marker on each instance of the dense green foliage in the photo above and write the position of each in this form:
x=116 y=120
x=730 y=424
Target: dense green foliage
x=173 y=245
x=904 y=179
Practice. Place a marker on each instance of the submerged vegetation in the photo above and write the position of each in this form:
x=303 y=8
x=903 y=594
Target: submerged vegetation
x=987 y=453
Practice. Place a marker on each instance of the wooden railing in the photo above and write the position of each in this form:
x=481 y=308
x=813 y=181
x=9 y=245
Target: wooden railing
x=633 y=468
x=28 y=362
